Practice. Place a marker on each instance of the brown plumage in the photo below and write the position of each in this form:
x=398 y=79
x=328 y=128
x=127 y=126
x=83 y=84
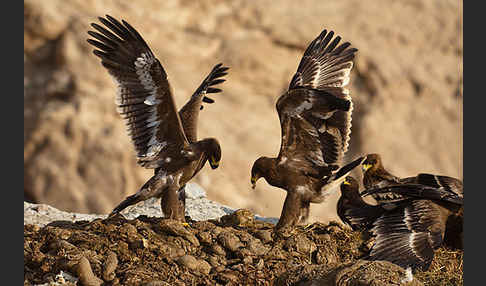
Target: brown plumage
x=406 y=232
x=165 y=140
x=411 y=228
x=412 y=217
x=315 y=118
x=449 y=191
x=363 y=214
x=376 y=176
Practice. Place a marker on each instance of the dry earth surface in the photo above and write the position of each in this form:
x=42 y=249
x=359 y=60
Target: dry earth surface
x=406 y=86
x=233 y=250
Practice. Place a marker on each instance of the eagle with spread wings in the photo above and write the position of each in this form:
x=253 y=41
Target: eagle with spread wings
x=315 y=119
x=164 y=140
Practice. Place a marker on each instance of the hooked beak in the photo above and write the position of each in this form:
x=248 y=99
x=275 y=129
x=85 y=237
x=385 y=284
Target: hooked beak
x=346 y=182
x=366 y=167
x=213 y=163
x=254 y=180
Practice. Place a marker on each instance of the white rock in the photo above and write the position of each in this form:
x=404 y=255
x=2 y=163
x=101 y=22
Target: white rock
x=198 y=207
x=194 y=191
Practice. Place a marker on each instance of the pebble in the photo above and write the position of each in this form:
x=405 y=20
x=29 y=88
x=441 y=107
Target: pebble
x=111 y=263
x=85 y=273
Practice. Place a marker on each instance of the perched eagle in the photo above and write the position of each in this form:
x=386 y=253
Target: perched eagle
x=165 y=140
x=315 y=119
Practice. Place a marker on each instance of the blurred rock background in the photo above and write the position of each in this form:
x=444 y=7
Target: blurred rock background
x=406 y=86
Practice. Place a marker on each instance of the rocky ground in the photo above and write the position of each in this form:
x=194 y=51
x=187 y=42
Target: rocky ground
x=235 y=249
x=406 y=86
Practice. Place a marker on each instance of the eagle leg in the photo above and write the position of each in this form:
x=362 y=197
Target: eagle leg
x=130 y=200
x=291 y=211
x=172 y=203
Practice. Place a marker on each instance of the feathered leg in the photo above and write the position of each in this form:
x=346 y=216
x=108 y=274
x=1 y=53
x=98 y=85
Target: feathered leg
x=291 y=210
x=148 y=190
x=304 y=213
x=171 y=203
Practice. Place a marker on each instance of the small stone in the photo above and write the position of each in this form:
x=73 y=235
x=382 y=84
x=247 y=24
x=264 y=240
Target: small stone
x=260 y=264
x=111 y=263
x=194 y=264
x=214 y=261
x=241 y=217
x=204 y=267
x=188 y=261
x=265 y=235
x=218 y=249
x=205 y=237
x=256 y=247
x=229 y=241
x=237 y=267
x=176 y=228
x=61 y=244
x=85 y=273
x=247 y=260
x=301 y=244
x=229 y=276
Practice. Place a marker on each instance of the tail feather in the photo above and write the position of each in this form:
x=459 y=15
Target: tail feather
x=346 y=169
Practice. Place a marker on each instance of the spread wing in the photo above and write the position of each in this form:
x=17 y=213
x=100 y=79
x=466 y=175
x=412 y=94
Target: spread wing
x=315 y=114
x=307 y=143
x=408 y=235
x=326 y=66
x=189 y=113
x=144 y=97
x=449 y=184
x=395 y=193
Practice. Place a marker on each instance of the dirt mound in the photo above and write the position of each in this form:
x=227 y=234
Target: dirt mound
x=235 y=250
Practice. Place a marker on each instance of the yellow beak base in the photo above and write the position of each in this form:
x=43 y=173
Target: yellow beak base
x=254 y=180
x=214 y=164
x=366 y=167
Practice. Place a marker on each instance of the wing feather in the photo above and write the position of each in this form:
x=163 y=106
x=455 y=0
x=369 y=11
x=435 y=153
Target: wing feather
x=144 y=96
x=317 y=108
x=416 y=191
x=189 y=113
x=323 y=65
x=309 y=140
x=449 y=184
x=407 y=235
